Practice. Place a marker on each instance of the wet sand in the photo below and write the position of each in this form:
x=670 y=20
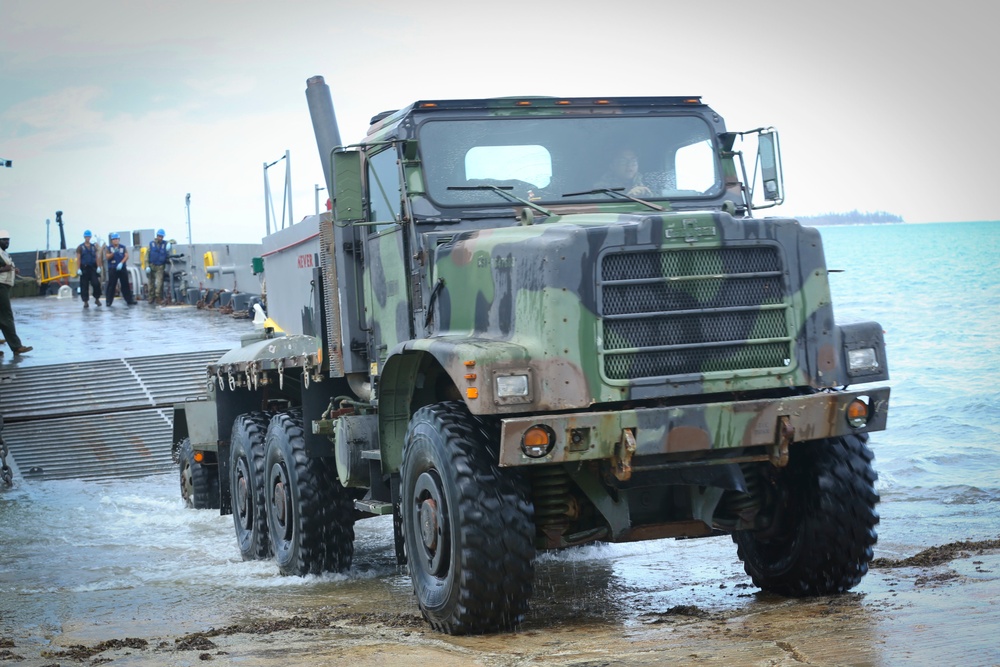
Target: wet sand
x=938 y=607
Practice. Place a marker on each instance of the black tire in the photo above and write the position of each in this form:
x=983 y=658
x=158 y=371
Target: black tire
x=823 y=527
x=199 y=483
x=310 y=516
x=339 y=516
x=467 y=525
x=246 y=479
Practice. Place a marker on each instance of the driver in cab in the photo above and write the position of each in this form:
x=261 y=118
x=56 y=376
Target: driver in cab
x=623 y=172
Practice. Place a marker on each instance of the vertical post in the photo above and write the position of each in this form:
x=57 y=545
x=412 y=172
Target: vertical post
x=267 y=201
x=187 y=205
x=47 y=223
x=288 y=188
x=318 y=190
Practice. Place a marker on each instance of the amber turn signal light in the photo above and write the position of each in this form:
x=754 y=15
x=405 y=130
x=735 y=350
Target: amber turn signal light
x=857 y=413
x=537 y=441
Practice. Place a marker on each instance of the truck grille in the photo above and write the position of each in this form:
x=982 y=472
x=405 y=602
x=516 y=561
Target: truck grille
x=698 y=310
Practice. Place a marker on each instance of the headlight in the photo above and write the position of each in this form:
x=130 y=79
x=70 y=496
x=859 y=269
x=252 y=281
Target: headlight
x=510 y=386
x=862 y=360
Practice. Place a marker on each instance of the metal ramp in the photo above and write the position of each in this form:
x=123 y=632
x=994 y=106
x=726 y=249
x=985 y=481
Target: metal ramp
x=104 y=419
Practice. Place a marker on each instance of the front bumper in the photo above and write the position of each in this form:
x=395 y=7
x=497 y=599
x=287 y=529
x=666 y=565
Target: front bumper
x=703 y=427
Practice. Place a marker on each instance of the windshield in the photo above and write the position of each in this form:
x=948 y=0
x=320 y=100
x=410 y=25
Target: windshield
x=545 y=159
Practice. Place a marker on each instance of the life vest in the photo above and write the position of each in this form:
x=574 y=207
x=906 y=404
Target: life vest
x=117 y=256
x=88 y=256
x=157 y=253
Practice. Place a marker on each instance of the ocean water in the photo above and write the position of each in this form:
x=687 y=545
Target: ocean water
x=935 y=289
x=125 y=558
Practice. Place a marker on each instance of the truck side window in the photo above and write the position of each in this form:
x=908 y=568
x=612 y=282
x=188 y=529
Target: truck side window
x=695 y=171
x=383 y=189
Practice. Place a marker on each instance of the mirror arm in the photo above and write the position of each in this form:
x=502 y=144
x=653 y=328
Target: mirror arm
x=747 y=191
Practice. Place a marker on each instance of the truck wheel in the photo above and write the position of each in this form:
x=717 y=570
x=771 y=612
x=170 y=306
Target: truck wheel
x=823 y=525
x=467 y=525
x=309 y=513
x=199 y=483
x=246 y=482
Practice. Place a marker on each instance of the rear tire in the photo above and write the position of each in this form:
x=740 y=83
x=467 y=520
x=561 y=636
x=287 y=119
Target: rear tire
x=467 y=524
x=823 y=526
x=246 y=472
x=199 y=483
x=310 y=515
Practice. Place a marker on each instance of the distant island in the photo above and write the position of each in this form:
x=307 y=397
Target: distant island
x=854 y=217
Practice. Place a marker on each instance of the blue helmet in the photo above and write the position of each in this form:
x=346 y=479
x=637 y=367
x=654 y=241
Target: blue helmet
x=160 y=232
x=114 y=235
x=87 y=233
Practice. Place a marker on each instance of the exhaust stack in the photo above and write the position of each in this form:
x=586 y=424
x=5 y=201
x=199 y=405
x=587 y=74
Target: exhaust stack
x=324 y=124
x=342 y=271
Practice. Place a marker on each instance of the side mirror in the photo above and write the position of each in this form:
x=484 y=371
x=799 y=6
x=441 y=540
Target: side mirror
x=769 y=158
x=348 y=202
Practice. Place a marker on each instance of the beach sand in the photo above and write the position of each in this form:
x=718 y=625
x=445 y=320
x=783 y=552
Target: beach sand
x=938 y=607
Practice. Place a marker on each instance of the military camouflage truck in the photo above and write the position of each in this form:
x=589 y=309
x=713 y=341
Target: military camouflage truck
x=534 y=323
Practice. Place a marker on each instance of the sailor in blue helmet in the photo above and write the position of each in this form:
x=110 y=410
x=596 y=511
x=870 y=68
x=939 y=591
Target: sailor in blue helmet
x=117 y=257
x=159 y=251
x=88 y=267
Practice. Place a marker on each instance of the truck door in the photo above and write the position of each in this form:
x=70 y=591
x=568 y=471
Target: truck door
x=387 y=302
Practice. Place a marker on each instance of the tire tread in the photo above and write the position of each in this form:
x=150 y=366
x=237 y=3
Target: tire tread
x=496 y=534
x=831 y=541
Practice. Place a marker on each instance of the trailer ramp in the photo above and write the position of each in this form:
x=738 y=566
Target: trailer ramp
x=104 y=419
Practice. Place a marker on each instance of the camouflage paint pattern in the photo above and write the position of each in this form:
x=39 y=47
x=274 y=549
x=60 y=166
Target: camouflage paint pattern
x=537 y=289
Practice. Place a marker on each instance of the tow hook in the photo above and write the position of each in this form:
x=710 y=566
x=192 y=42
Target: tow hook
x=622 y=459
x=778 y=452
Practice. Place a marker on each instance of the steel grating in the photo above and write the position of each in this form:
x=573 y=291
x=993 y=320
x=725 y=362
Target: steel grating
x=99 y=419
x=94 y=387
x=93 y=447
x=672 y=312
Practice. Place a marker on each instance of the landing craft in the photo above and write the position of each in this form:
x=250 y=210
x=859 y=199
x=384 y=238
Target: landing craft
x=533 y=323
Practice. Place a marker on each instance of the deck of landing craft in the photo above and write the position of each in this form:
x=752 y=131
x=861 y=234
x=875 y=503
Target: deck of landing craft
x=92 y=399
x=63 y=331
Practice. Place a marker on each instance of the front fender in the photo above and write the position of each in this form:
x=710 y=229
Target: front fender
x=474 y=365
x=430 y=370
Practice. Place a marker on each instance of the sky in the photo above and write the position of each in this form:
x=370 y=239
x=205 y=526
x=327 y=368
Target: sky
x=113 y=110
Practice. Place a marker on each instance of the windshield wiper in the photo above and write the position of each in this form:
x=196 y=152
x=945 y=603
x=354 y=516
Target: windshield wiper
x=502 y=190
x=616 y=192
